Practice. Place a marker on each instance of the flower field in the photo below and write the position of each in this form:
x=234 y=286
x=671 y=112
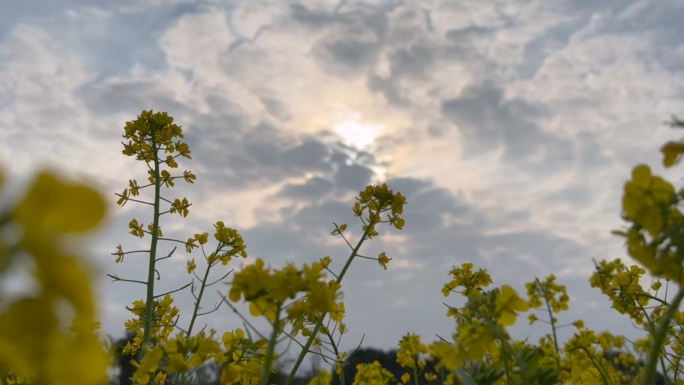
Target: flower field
x=303 y=303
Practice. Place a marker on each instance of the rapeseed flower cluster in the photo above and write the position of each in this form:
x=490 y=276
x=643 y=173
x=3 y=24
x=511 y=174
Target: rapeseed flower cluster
x=164 y=318
x=467 y=279
x=621 y=285
x=268 y=291
x=373 y=374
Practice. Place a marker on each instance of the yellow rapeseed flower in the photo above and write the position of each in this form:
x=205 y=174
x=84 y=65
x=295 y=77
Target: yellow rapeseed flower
x=508 y=303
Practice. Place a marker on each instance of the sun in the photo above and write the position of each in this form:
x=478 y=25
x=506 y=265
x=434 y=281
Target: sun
x=362 y=136
x=356 y=134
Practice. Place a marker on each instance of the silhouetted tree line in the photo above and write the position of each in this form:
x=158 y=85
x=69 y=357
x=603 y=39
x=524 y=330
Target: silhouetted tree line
x=208 y=374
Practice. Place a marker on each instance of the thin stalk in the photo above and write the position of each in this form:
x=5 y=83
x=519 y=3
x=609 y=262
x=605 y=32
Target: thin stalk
x=553 y=326
x=604 y=376
x=199 y=298
x=651 y=326
x=153 y=245
x=334 y=350
x=504 y=348
x=271 y=349
x=314 y=333
x=415 y=374
x=507 y=370
x=659 y=337
x=194 y=313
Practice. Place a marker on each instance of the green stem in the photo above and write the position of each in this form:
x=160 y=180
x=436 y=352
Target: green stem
x=314 y=333
x=591 y=357
x=415 y=372
x=504 y=347
x=651 y=326
x=553 y=327
x=149 y=302
x=337 y=352
x=659 y=337
x=271 y=349
x=194 y=313
x=662 y=367
x=199 y=299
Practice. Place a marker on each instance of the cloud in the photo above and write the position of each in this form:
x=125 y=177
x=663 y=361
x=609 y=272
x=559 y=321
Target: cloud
x=263 y=156
x=309 y=18
x=126 y=98
x=348 y=55
x=313 y=189
x=487 y=120
x=413 y=61
x=276 y=108
x=389 y=89
x=554 y=39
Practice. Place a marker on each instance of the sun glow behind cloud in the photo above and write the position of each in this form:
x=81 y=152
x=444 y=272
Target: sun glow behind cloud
x=362 y=136
x=356 y=134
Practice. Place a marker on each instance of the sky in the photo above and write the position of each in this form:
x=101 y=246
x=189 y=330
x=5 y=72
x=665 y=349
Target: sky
x=510 y=127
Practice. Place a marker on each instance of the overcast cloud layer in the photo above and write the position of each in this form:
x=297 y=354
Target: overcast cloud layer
x=510 y=126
